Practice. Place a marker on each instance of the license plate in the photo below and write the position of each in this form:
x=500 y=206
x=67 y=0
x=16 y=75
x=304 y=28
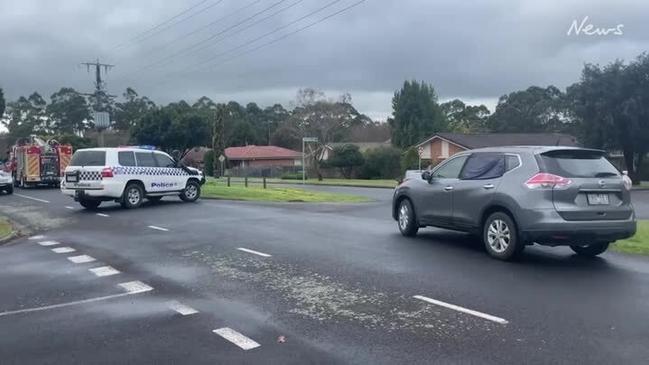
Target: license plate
x=598 y=199
x=71 y=178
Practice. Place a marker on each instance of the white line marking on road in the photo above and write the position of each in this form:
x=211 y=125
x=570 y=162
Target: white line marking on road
x=84 y=301
x=253 y=252
x=159 y=228
x=185 y=310
x=236 y=338
x=32 y=198
x=134 y=287
x=69 y=207
x=49 y=243
x=37 y=237
x=81 y=259
x=462 y=309
x=63 y=249
x=104 y=271
x=103 y=215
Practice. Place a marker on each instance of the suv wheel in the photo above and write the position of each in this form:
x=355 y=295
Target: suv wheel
x=501 y=237
x=90 y=204
x=591 y=250
x=191 y=192
x=10 y=189
x=406 y=219
x=133 y=196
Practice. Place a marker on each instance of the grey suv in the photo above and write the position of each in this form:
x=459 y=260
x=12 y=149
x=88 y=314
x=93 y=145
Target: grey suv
x=517 y=196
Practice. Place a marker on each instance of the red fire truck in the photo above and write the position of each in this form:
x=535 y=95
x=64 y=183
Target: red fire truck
x=35 y=161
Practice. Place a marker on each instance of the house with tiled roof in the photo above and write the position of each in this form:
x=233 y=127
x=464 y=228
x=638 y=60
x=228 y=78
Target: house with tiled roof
x=262 y=156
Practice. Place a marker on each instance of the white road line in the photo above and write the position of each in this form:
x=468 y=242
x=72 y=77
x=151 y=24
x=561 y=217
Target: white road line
x=253 y=252
x=103 y=215
x=63 y=249
x=69 y=207
x=81 y=259
x=236 y=338
x=104 y=271
x=185 y=310
x=134 y=287
x=462 y=309
x=37 y=237
x=159 y=228
x=129 y=291
x=49 y=243
x=32 y=198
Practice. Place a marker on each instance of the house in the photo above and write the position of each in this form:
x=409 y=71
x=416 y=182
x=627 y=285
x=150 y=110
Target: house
x=362 y=147
x=442 y=145
x=262 y=157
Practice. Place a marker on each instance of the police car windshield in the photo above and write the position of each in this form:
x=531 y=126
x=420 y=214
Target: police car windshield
x=89 y=158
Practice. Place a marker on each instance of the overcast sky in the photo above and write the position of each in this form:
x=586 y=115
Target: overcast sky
x=473 y=50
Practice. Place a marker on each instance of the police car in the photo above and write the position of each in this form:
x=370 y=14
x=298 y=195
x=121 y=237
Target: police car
x=128 y=176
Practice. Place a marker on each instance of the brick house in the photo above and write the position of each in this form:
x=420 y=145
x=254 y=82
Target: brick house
x=262 y=156
x=442 y=145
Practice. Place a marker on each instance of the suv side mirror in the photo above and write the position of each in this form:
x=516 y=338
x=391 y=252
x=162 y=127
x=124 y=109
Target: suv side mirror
x=427 y=175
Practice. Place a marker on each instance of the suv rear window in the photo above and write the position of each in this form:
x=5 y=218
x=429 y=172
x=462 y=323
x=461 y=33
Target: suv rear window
x=578 y=163
x=89 y=158
x=126 y=158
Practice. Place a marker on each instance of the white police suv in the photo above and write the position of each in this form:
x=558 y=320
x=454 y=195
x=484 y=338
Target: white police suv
x=128 y=175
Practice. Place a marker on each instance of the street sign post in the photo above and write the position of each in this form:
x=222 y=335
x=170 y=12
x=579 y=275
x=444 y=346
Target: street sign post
x=304 y=141
x=420 y=153
x=222 y=161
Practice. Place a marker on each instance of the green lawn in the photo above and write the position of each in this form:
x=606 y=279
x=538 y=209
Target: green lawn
x=638 y=244
x=333 y=182
x=5 y=228
x=255 y=192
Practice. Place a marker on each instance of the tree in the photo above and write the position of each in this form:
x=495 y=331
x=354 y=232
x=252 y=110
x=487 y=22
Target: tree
x=133 y=108
x=327 y=120
x=464 y=118
x=68 y=111
x=346 y=158
x=381 y=163
x=415 y=114
x=532 y=110
x=410 y=159
x=26 y=116
x=274 y=116
x=611 y=107
x=2 y=104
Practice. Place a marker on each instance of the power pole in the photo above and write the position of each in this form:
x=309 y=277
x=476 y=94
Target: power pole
x=101 y=99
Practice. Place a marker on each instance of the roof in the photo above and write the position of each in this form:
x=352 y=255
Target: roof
x=253 y=152
x=480 y=140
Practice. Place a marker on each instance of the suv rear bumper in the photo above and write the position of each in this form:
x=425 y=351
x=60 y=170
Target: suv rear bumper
x=558 y=233
x=107 y=190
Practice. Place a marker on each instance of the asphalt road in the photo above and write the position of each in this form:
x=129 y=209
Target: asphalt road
x=338 y=282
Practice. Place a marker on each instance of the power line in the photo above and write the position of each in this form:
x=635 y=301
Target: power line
x=160 y=27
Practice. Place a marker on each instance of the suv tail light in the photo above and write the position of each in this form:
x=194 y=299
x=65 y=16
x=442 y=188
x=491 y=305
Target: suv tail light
x=107 y=172
x=543 y=180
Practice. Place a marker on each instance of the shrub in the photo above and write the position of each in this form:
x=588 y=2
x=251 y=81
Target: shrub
x=381 y=163
x=345 y=158
x=292 y=176
x=208 y=162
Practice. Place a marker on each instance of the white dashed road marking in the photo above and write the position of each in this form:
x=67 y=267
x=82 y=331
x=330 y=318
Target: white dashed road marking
x=103 y=215
x=81 y=259
x=133 y=287
x=104 y=271
x=32 y=198
x=69 y=207
x=185 y=310
x=253 y=252
x=159 y=228
x=462 y=309
x=236 y=338
x=63 y=249
x=49 y=243
x=37 y=237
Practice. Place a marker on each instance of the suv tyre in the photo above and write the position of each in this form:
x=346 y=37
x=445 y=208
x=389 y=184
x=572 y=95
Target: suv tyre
x=90 y=204
x=591 y=250
x=500 y=237
x=406 y=219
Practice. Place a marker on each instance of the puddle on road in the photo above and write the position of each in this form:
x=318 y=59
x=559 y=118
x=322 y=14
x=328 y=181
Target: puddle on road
x=321 y=298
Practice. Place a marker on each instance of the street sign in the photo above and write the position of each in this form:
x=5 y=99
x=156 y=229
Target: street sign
x=309 y=139
x=221 y=158
x=102 y=120
x=420 y=151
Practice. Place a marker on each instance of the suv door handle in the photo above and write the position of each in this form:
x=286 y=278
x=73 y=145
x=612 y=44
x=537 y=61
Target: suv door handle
x=448 y=188
x=488 y=186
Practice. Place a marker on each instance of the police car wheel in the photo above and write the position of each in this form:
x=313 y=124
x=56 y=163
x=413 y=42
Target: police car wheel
x=191 y=192
x=132 y=197
x=90 y=204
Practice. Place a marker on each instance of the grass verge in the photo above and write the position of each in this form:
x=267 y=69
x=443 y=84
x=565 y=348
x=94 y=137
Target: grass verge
x=349 y=182
x=6 y=229
x=636 y=245
x=275 y=194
